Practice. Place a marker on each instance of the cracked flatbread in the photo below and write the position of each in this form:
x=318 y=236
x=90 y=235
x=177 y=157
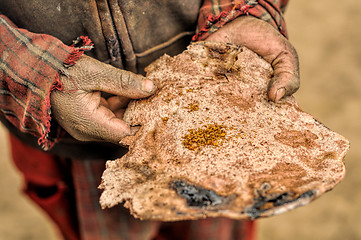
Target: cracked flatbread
x=211 y=144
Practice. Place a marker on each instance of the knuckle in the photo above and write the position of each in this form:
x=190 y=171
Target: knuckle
x=80 y=134
x=297 y=84
x=78 y=128
x=126 y=80
x=293 y=85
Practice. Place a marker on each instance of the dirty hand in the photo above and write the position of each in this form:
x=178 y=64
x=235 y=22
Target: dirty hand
x=262 y=38
x=84 y=113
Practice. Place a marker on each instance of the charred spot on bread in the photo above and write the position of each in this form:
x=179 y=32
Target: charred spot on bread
x=197 y=196
x=212 y=145
x=264 y=203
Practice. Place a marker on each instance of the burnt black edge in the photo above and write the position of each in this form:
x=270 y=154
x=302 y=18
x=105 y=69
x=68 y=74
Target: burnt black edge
x=256 y=210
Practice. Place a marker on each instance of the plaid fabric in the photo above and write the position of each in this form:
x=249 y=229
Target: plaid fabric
x=47 y=182
x=29 y=70
x=117 y=223
x=67 y=191
x=30 y=65
x=216 y=13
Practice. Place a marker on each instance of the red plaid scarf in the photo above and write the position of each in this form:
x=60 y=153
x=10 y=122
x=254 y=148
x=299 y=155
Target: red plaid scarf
x=30 y=65
x=216 y=13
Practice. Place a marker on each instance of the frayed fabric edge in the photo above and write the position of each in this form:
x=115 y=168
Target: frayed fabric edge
x=80 y=45
x=246 y=7
x=224 y=17
x=44 y=141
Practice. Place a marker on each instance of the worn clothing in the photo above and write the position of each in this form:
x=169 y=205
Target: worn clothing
x=27 y=79
x=127 y=34
x=141 y=32
x=58 y=194
x=213 y=16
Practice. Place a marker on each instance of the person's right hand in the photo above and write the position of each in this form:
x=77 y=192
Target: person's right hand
x=84 y=113
x=269 y=43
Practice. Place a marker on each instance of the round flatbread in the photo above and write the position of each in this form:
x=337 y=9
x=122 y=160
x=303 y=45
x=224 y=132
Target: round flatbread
x=211 y=143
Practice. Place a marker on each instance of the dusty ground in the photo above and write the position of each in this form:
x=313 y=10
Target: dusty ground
x=327 y=35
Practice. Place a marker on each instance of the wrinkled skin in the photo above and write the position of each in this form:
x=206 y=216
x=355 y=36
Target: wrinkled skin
x=82 y=111
x=87 y=116
x=266 y=41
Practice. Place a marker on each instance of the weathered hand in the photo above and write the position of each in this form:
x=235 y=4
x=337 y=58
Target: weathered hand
x=262 y=38
x=84 y=113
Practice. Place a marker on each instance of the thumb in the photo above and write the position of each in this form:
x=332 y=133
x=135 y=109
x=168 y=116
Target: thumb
x=124 y=83
x=93 y=75
x=84 y=118
x=286 y=79
x=266 y=41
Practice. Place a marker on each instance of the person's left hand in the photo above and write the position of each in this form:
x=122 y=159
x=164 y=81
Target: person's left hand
x=266 y=41
x=81 y=108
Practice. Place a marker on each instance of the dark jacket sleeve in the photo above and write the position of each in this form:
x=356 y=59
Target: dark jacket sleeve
x=215 y=14
x=30 y=65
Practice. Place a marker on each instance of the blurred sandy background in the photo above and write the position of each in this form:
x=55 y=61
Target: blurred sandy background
x=327 y=35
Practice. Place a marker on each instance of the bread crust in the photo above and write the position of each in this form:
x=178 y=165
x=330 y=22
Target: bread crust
x=211 y=143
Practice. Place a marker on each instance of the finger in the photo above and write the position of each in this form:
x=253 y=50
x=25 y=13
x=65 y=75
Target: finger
x=104 y=102
x=262 y=38
x=286 y=80
x=102 y=126
x=106 y=126
x=128 y=84
x=93 y=75
x=120 y=113
x=84 y=118
x=283 y=85
x=134 y=129
x=117 y=102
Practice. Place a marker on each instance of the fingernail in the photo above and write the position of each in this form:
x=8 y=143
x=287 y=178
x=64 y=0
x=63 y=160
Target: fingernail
x=279 y=94
x=134 y=130
x=148 y=86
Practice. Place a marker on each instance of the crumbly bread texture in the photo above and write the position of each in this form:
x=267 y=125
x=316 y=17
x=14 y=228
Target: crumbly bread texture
x=211 y=143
